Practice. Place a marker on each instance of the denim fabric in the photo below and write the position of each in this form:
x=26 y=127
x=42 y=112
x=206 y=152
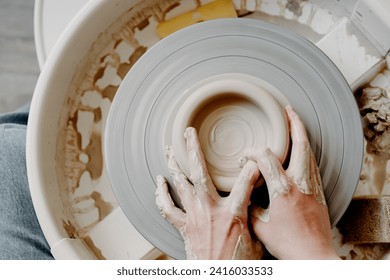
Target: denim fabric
x=20 y=234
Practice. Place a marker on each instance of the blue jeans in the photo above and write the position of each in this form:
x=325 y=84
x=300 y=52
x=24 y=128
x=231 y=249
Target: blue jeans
x=21 y=236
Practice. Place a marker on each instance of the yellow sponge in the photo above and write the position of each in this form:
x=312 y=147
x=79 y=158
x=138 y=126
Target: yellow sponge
x=213 y=10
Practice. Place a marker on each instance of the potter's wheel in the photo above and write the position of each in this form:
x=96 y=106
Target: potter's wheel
x=144 y=105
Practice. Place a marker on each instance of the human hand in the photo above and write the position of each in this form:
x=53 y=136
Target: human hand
x=296 y=224
x=213 y=227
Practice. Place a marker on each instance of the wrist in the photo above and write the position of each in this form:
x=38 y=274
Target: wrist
x=326 y=255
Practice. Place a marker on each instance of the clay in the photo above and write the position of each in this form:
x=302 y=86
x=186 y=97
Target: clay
x=231 y=114
x=374 y=104
x=212 y=227
x=295 y=7
x=302 y=171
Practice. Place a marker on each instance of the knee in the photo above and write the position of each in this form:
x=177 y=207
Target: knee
x=12 y=153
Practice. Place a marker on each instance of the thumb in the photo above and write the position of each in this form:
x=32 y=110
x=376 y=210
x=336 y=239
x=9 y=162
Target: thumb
x=272 y=170
x=258 y=218
x=258 y=214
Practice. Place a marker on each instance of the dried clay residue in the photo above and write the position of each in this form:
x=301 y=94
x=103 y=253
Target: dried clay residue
x=374 y=104
x=91 y=245
x=69 y=228
x=90 y=203
x=85 y=190
x=96 y=86
x=79 y=159
x=295 y=7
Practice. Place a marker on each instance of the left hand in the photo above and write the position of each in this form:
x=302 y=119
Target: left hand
x=213 y=227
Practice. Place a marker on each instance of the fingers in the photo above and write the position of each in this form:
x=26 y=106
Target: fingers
x=272 y=171
x=248 y=248
x=300 y=158
x=297 y=129
x=183 y=187
x=199 y=177
x=166 y=206
x=303 y=168
x=242 y=189
x=299 y=166
x=316 y=181
x=259 y=219
x=259 y=213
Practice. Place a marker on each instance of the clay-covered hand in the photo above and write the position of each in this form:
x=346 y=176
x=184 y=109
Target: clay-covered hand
x=296 y=223
x=213 y=227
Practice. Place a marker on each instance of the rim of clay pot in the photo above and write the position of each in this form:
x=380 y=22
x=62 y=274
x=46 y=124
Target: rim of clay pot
x=231 y=113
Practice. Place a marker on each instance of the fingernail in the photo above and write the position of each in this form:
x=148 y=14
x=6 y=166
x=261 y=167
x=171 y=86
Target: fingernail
x=291 y=112
x=253 y=171
x=190 y=132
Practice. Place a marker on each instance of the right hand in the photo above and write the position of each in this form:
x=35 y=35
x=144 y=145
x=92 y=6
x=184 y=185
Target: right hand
x=296 y=224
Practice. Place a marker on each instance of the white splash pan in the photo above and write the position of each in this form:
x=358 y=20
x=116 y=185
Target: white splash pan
x=49 y=97
x=50 y=18
x=113 y=237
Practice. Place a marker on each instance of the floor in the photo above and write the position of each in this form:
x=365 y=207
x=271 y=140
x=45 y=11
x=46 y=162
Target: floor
x=19 y=69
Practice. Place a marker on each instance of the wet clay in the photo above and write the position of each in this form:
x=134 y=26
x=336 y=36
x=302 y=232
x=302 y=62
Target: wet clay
x=231 y=114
